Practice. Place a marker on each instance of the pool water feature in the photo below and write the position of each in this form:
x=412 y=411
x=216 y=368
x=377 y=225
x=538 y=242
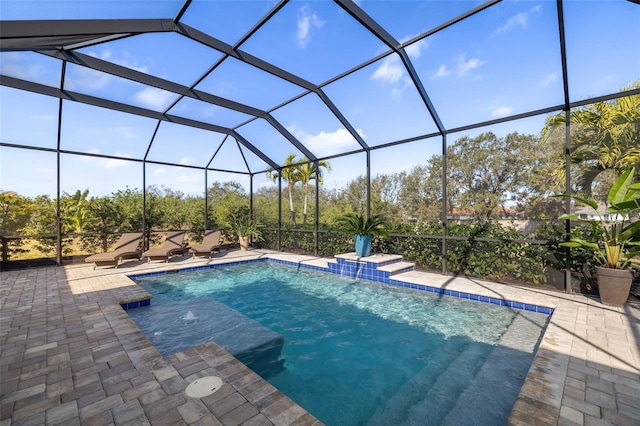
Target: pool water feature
x=356 y=352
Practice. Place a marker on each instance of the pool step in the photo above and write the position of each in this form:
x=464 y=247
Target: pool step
x=459 y=387
x=397 y=267
x=429 y=396
x=506 y=368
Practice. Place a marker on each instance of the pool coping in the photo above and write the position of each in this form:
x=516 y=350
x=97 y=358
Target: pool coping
x=586 y=369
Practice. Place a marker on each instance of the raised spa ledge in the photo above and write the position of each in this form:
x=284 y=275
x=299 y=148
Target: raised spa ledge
x=378 y=259
x=377 y=267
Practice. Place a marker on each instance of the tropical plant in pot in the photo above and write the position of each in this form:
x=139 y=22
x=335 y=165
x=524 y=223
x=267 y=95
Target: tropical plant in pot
x=619 y=244
x=363 y=229
x=245 y=228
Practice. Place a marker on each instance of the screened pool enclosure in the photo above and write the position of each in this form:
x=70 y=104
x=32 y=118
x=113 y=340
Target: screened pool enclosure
x=455 y=120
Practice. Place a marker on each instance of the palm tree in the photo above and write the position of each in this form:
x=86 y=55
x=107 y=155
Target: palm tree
x=290 y=174
x=308 y=172
x=604 y=136
x=76 y=209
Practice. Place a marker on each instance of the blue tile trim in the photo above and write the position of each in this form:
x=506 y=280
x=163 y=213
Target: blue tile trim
x=360 y=270
x=133 y=305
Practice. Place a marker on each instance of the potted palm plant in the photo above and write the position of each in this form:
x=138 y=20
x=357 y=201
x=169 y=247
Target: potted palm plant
x=619 y=244
x=245 y=228
x=364 y=230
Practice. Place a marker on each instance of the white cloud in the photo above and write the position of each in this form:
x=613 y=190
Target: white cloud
x=186 y=161
x=390 y=71
x=111 y=163
x=87 y=79
x=106 y=54
x=326 y=143
x=502 y=111
x=463 y=66
x=153 y=98
x=159 y=171
x=14 y=64
x=306 y=22
x=126 y=60
x=519 y=20
x=549 y=78
x=415 y=50
x=106 y=163
x=443 y=71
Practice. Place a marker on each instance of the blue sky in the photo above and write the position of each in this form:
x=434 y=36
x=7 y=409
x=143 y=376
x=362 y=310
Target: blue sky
x=502 y=61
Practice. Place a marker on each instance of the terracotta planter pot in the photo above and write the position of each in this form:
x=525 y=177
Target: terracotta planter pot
x=614 y=285
x=244 y=243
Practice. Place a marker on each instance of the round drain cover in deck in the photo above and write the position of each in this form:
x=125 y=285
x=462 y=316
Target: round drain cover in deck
x=204 y=386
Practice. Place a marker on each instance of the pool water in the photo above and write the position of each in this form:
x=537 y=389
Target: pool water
x=352 y=352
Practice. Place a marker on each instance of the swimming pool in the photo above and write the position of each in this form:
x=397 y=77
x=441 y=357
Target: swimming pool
x=353 y=352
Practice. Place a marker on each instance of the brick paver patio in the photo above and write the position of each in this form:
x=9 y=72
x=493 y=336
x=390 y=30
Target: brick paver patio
x=71 y=355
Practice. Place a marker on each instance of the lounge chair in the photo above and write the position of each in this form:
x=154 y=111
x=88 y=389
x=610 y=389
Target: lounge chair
x=125 y=248
x=172 y=246
x=210 y=242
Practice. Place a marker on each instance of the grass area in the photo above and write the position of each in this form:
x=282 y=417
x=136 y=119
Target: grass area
x=28 y=249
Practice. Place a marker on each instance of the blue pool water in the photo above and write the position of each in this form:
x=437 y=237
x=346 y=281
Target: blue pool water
x=351 y=352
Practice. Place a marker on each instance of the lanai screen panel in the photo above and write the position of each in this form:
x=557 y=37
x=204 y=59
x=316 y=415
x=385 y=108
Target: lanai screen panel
x=268 y=140
x=107 y=86
x=28 y=119
x=95 y=130
x=234 y=156
x=499 y=62
x=94 y=9
x=167 y=179
x=314 y=40
x=382 y=103
x=184 y=145
x=408 y=19
x=158 y=54
x=31 y=66
x=28 y=173
x=226 y=20
x=208 y=113
x=601 y=58
x=246 y=84
x=101 y=176
x=313 y=124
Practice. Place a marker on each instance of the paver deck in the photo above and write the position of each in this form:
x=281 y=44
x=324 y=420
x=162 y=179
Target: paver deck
x=71 y=355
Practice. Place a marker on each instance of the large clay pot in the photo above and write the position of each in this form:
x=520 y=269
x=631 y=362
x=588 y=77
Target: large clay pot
x=363 y=245
x=244 y=243
x=614 y=285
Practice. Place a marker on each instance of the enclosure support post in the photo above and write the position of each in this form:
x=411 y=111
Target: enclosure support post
x=567 y=140
x=368 y=195
x=567 y=201
x=5 y=251
x=444 y=203
x=251 y=195
x=279 y=210
x=58 y=215
x=317 y=221
x=206 y=202
x=145 y=237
